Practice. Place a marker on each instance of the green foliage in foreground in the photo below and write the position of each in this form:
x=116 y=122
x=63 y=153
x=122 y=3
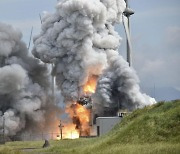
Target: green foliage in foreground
x=86 y=146
x=151 y=130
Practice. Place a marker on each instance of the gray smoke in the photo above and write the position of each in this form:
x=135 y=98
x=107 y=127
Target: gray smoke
x=24 y=85
x=80 y=39
x=118 y=87
x=10 y=80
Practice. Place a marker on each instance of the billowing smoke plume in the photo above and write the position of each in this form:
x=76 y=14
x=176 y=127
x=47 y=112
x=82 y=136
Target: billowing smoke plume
x=118 y=87
x=24 y=85
x=80 y=39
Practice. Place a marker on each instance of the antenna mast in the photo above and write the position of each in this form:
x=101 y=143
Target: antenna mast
x=3 y=129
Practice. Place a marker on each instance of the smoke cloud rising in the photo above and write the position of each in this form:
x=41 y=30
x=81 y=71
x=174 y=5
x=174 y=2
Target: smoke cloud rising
x=118 y=87
x=80 y=39
x=24 y=85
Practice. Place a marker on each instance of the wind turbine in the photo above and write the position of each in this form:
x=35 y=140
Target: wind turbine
x=126 y=22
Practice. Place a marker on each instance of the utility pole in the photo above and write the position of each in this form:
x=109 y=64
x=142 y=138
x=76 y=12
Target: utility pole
x=3 y=129
x=128 y=12
x=53 y=82
x=60 y=127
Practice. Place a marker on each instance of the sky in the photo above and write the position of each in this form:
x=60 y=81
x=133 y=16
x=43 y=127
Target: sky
x=155 y=32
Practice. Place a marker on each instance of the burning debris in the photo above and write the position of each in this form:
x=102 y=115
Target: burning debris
x=86 y=100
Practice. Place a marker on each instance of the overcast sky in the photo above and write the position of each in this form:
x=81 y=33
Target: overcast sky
x=155 y=30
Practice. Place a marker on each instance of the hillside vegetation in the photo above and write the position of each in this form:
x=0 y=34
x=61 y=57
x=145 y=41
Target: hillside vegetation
x=156 y=123
x=153 y=129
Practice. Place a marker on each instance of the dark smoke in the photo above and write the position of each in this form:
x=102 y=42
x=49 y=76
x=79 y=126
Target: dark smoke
x=118 y=88
x=25 y=92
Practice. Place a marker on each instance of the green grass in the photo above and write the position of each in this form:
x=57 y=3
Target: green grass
x=87 y=146
x=152 y=130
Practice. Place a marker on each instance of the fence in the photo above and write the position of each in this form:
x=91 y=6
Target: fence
x=30 y=137
x=37 y=136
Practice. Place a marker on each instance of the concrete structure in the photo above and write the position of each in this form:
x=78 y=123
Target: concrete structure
x=105 y=124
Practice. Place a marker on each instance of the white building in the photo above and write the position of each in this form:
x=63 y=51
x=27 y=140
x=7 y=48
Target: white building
x=105 y=124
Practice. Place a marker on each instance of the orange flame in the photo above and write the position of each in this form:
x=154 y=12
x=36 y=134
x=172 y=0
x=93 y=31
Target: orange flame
x=79 y=114
x=69 y=132
x=81 y=118
x=90 y=86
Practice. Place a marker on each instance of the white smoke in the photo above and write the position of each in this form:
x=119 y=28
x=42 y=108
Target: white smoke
x=80 y=39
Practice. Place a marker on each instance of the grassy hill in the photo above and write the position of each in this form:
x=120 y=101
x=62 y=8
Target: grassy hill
x=156 y=123
x=153 y=129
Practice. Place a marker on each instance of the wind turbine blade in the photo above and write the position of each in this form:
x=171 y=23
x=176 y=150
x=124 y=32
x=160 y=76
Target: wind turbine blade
x=30 y=38
x=40 y=18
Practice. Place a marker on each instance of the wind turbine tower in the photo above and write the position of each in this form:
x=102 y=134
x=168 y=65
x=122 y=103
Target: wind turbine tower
x=126 y=21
